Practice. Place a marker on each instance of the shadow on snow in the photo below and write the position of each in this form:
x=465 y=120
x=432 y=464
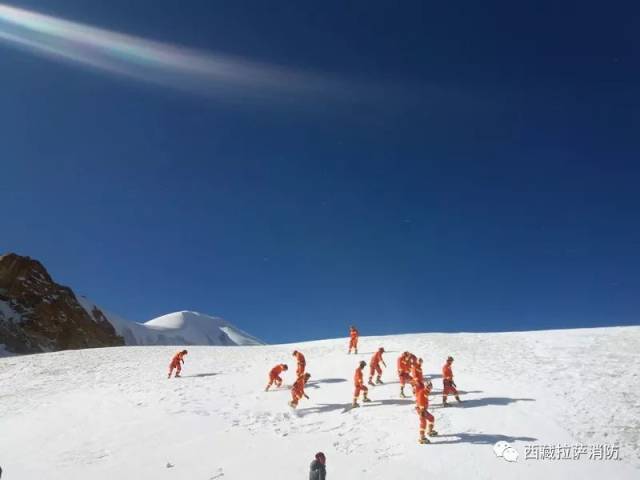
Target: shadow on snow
x=316 y=383
x=461 y=392
x=344 y=407
x=484 y=402
x=479 y=438
x=200 y=375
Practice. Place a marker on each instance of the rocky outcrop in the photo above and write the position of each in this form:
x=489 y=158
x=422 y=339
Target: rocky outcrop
x=38 y=315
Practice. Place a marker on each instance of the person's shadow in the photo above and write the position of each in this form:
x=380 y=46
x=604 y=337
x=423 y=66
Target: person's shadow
x=478 y=439
x=316 y=383
x=484 y=402
x=345 y=407
x=200 y=375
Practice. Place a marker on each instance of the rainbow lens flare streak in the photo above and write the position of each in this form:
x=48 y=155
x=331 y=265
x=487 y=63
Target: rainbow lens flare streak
x=154 y=62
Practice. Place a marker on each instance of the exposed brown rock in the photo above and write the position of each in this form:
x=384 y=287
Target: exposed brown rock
x=38 y=315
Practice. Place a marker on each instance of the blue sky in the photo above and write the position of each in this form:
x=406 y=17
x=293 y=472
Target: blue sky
x=467 y=167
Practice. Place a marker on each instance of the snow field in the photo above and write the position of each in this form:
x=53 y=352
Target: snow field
x=112 y=413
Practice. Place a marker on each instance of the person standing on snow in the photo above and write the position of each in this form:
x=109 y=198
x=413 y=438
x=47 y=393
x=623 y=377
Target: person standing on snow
x=301 y=361
x=358 y=382
x=374 y=366
x=297 y=391
x=422 y=403
x=318 y=470
x=353 y=339
x=449 y=387
x=176 y=363
x=403 y=372
x=274 y=376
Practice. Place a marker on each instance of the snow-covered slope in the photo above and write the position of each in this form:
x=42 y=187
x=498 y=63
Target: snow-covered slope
x=111 y=412
x=178 y=328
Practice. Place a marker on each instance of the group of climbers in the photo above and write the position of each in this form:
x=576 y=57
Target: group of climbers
x=409 y=368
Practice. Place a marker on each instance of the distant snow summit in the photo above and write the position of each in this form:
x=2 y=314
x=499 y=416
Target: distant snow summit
x=177 y=328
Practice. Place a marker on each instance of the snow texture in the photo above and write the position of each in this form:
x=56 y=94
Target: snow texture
x=112 y=413
x=8 y=314
x=178 y=328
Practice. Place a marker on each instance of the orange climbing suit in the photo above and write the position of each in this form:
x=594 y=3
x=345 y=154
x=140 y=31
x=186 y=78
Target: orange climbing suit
x=422 y=403
x=374 y=364
x=297 y=390
x=302 y=363
x=176 y=363
x=416 y=373
x=358 y=383
x=447 y=381
x=353 y=341
x=274 y=375
x=403 y=371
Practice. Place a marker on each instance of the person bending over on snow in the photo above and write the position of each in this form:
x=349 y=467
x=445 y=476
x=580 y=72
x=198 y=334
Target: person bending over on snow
x=353 y=339
x=297 y=391
x=318 y=470
x=176 y=363
x=374 y=366
x=422 y=403
x=358 y=382
x=403 y=372
x=449 y=387
x=274 y=375
x=302 y=363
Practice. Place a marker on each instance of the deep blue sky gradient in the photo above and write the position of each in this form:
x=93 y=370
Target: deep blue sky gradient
x=495 y=185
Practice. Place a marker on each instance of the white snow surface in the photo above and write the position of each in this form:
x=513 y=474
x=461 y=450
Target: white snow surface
x=112 y=413
x=178 y=328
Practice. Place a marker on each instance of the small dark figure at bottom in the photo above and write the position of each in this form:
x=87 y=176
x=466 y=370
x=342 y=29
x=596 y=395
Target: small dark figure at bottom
x=318 y=469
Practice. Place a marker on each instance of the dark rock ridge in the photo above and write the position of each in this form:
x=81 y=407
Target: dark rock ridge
x=38 y=315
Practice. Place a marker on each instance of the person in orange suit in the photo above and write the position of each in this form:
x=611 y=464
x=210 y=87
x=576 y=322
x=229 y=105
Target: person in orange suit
x=358 y=383
x=301 y=361
x=274 y=376
x=449 y=387
x=416 y=372
x=422 y=403
x=176 y=363
x=297 y=390
x=403 y=372
x=353 y=339
x=412 y=359
x=374 y=366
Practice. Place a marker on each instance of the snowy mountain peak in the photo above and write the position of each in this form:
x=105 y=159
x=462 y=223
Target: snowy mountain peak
x=184 y=318
x=185 y=327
